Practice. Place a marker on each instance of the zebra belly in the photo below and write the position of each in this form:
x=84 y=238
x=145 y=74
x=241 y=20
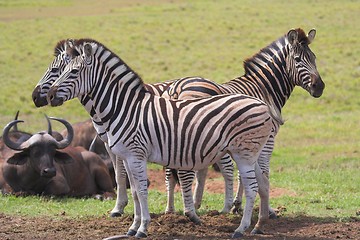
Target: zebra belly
x=189 y=163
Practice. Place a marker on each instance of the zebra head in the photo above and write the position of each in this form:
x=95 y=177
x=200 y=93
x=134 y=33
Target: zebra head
x=301 y=59
x=62 y=58
x=70 y=83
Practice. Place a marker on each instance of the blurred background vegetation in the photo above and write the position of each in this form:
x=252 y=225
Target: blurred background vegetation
x=317 y=150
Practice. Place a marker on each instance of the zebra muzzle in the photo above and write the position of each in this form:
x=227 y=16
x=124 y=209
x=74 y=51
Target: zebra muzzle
x=53 y=99
x=317 y=86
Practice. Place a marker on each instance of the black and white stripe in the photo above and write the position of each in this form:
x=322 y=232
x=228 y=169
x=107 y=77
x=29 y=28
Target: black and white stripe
x=270 y=75
x=64 y=52
x=183 y=134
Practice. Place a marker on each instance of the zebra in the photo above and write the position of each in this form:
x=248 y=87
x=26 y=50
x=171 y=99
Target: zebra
x=272 y=74
x=64 y=52
x=39 y=95
x=178 y=134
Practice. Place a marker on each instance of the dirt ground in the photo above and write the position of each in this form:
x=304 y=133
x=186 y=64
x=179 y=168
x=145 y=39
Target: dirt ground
x=176 y=226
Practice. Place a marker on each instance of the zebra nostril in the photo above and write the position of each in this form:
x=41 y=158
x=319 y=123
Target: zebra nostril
x=51 y=95
x=36 y=93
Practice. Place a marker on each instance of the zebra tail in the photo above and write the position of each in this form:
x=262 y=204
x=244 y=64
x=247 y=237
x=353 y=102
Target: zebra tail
x=175 y=175
x=275 y=114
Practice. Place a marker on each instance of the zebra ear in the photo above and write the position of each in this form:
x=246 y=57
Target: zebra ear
x=87 y=50
x=68 y=47
x=70 y=43
x=311 y=35
x=292 y=36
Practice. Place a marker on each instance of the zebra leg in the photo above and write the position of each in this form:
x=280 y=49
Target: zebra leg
x=186 y=179
x=246 y=166
x=120 y=177
x=263 y=183
x=227 y=170
x=264 y=163
x=170 y=181
x=199 y=186
x=238 y=198
x=136 y=170
x=137 y=210
x=122 y=197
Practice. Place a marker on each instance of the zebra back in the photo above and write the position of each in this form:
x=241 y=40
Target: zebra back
x=134 y=117
x=270 y=75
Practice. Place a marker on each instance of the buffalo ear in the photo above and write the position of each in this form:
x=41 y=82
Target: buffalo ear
x=62 y=157
x=19 y=158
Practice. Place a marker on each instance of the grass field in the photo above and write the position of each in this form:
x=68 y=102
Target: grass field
x=317 y=153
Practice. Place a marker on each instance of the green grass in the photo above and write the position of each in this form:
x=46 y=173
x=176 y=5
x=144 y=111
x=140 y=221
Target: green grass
x=73 y=207
x=317 y=150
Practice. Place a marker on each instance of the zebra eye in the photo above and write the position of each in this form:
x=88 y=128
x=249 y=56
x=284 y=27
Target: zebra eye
x=54 y=70
x=74 y=71
x=297 y=59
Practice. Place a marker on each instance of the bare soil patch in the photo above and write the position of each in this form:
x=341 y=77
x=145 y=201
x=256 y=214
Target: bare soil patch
x=173 y=226
x=176 y=226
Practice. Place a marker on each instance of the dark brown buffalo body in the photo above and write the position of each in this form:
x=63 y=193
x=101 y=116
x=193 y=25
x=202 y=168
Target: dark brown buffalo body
x=84 y=133
x=15 y=136
x=41 y=164
x=85 y=136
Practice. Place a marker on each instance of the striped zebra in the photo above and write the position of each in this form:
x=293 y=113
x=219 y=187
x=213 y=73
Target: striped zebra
x=178 y=134
x=64 y=52
x=62 y=58
x=271 y=74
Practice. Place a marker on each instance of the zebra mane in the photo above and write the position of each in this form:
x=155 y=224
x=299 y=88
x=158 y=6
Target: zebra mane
x=267 y=51
x=60 y=47
x=80 y=42
x=302 y=37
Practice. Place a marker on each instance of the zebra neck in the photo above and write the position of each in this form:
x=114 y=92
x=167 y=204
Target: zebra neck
x=273 y=84
x=266 y=74
x=115 y=92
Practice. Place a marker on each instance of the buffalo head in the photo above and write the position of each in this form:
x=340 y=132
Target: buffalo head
x=40 y=150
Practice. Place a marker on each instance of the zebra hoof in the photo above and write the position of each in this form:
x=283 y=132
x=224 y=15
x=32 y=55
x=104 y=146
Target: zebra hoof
x=115 y=214
x=236 y=210
x=140 y=235
x=272 y=215
x=197 y=221
x=225 y=210
x=197 y=205
x=256 y=231
x=169 y=211
x=193 y=217
x=131 y=232
x=237 y=235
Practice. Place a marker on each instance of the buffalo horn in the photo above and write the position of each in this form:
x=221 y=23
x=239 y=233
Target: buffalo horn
x=66 y=141
x=7 y=141
x=49 y=125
